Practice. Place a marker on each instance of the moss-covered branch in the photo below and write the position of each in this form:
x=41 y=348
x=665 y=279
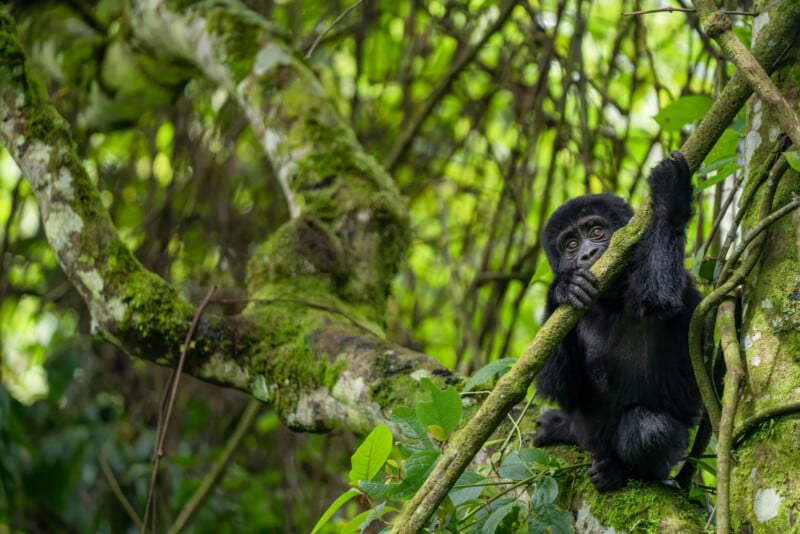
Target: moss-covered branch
x=778 y=29
x=718 y=26
x=119 y=292
x=305 y=344
x=325 y=173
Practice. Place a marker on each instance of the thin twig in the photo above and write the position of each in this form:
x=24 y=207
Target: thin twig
x=691 y=10
x=164 y=423
x=117 y=490
x=768 y=195
x=342 y=15
x=772 y=171
x=728 y=284
x=213 y=477
x=720 y=215
x=456 y=67
x=763 y=224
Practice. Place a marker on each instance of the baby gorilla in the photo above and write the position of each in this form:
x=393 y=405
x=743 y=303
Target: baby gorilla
x=622 y=375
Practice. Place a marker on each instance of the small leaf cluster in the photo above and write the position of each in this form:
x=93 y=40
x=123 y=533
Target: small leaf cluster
x=516 y=494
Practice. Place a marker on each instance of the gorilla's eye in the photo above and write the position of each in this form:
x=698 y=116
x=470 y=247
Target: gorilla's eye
x=597 y=232
x=572 y=244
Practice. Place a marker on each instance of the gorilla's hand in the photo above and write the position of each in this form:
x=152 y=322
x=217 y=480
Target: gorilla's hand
x=577 y=288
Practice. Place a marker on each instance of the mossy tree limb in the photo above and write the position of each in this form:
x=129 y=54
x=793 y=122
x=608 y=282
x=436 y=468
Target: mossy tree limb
x=323 y=170
x=307 y=344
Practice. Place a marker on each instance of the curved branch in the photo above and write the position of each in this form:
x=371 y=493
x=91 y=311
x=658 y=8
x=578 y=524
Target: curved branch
x=718 y=27
x=353 y=210
x=314 y=364
x=737 y=90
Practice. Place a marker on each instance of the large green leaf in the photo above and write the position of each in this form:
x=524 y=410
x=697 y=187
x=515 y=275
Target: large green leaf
x=497 y=516
x=525 y=463
x=685 y=110
x=442 y=415
x=544 y=491
x=793 y=159
x=488 y=372
x=470 y=492
x=412 y=429
x=371 y=454
x=338 y=503
x=416 y=469
x=549 y=516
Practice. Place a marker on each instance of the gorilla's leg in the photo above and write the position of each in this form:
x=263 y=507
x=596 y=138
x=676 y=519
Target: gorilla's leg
x=554 y=426
x=650 y=442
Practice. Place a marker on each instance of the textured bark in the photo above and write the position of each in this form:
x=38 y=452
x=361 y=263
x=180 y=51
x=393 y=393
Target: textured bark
x=765 y=482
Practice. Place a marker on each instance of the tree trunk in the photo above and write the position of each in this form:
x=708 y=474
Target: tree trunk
x=765 y=483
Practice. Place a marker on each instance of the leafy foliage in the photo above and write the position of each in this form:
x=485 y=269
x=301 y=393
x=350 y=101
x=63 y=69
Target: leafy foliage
x=486 y=502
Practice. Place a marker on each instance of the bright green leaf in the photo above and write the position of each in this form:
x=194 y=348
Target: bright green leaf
x=513 y=468
x=793 y=159
x=410 y=426
x=419 y=465
x=523 y=464
x=437 y=432
x=363 y=520
x=376 y=490
x=538 y=457
x=724 y=147
x=489 y=372
x=683 y=111
x=707 y=268
x=724 y=167
x=355 y=524
x=371 y=454
x=338 y=503
x=443 y=411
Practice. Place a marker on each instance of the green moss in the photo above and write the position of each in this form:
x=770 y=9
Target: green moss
x=393 y=391
x=42 y=120
x=285 y=370
x=157 y=319
x=243 y=35
x=639 y=511
x=332 y=372
x=774 y=468
x=302 y=252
